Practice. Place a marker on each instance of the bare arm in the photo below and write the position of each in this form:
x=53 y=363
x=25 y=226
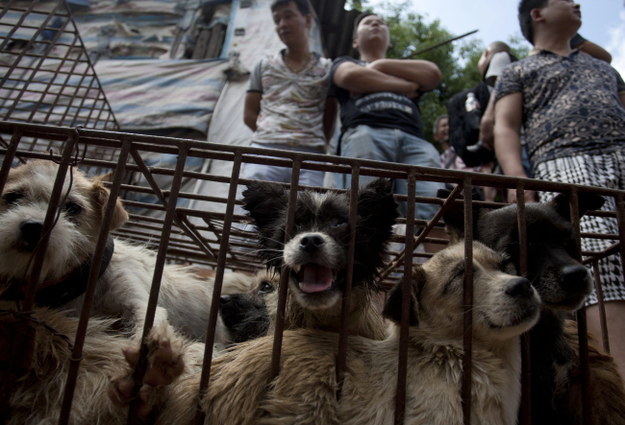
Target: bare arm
x=487 y=124
x=508 y=114
x=595 y=51
x=360 y=79
x=329 y=117
x=251 y=109
x=425 y=73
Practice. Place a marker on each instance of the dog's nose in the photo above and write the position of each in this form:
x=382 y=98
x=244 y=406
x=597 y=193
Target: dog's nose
x=519 y=288
x=574 y=277
x=310 y=243
x=225 y=299
x=31 y=233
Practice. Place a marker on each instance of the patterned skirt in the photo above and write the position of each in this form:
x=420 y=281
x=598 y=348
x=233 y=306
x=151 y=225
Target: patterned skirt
x=601 y=170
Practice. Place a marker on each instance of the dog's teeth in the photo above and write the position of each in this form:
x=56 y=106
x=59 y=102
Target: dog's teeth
x=296 y=269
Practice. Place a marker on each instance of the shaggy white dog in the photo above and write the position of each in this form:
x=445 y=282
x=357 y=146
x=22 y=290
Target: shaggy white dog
x=126 y=271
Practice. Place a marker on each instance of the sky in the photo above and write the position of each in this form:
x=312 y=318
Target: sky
x=603 y=21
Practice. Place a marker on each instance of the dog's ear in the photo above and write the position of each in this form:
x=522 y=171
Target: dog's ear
x=454 y=217
x=392 y=307
x=107 y=177
x=377 y=209
x=100 y=196
x=265 y=202
x=585 y=201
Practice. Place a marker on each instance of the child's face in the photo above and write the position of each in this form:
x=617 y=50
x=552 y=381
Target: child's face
x=291 y=26
x=442 y=130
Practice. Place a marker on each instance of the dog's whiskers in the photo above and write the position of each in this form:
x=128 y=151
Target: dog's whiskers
x=276 y=258
x=259 y=250
x=251 y=322
x=279 y=242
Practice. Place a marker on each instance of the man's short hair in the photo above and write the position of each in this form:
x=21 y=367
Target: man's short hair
x=525 y=18
x=302 y=5
x=498 y=46
x=359 y=18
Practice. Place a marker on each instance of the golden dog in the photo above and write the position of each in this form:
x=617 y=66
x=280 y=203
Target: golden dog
x=242 y=390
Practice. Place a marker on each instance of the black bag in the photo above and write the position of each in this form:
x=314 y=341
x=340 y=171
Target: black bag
x=464 y=126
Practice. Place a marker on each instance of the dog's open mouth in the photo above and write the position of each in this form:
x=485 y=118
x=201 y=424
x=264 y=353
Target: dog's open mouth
x=313 y=278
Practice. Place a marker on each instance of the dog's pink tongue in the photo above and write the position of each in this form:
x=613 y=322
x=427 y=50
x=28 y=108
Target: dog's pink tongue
x=315 y=278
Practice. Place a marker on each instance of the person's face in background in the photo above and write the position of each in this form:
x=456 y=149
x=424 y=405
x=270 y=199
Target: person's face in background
x=372 y=30
x=441 y=135
x=291 y=25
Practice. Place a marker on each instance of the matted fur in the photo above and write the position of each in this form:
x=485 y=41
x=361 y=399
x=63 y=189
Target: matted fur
x=37 y=394
x=317 y=253
x=563 y=284
x=241 y=390
x=123 y=290
x=606 y=396
x=104 y=380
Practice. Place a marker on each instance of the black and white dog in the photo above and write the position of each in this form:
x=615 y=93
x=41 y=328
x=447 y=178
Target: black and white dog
x=316 y=254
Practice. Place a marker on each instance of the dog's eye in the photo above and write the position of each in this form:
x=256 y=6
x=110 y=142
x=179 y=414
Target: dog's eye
x=458 y=271
x=72 y=208
x=455 y=278
x=265 y=287
x=340 y=223
x=12 y=198
x=507 y=265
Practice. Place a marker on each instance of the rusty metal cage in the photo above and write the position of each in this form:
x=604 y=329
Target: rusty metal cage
x=47 y=75
x=53 y=107
x=205 y=226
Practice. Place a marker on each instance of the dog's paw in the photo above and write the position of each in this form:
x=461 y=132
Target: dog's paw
x=121 y=389
x=164 y=364
x=165 y=356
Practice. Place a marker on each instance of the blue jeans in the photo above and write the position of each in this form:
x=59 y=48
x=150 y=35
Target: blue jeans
x=281 y=174
x=393 y=145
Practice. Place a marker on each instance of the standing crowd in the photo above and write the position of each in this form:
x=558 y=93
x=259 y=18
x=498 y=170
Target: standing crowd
x=557 y=115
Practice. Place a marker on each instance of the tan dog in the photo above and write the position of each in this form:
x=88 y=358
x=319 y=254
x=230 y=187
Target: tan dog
x=104 y=385
x=563 y=284
x=37 y=394
x=125 y=280
x=241 y=390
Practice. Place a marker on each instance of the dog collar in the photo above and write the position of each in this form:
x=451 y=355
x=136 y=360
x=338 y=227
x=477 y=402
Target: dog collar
x=58 y=292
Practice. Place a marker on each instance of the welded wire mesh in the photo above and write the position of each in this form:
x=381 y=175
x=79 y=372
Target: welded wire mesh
x=198 y=218
x=46 y=75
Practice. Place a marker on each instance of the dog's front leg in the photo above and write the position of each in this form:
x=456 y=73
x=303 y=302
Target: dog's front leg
x=139 y=317
x=165 y=363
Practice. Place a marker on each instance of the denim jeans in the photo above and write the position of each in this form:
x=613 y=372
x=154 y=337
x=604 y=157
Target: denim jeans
x=393 y=145
x=281 y=174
